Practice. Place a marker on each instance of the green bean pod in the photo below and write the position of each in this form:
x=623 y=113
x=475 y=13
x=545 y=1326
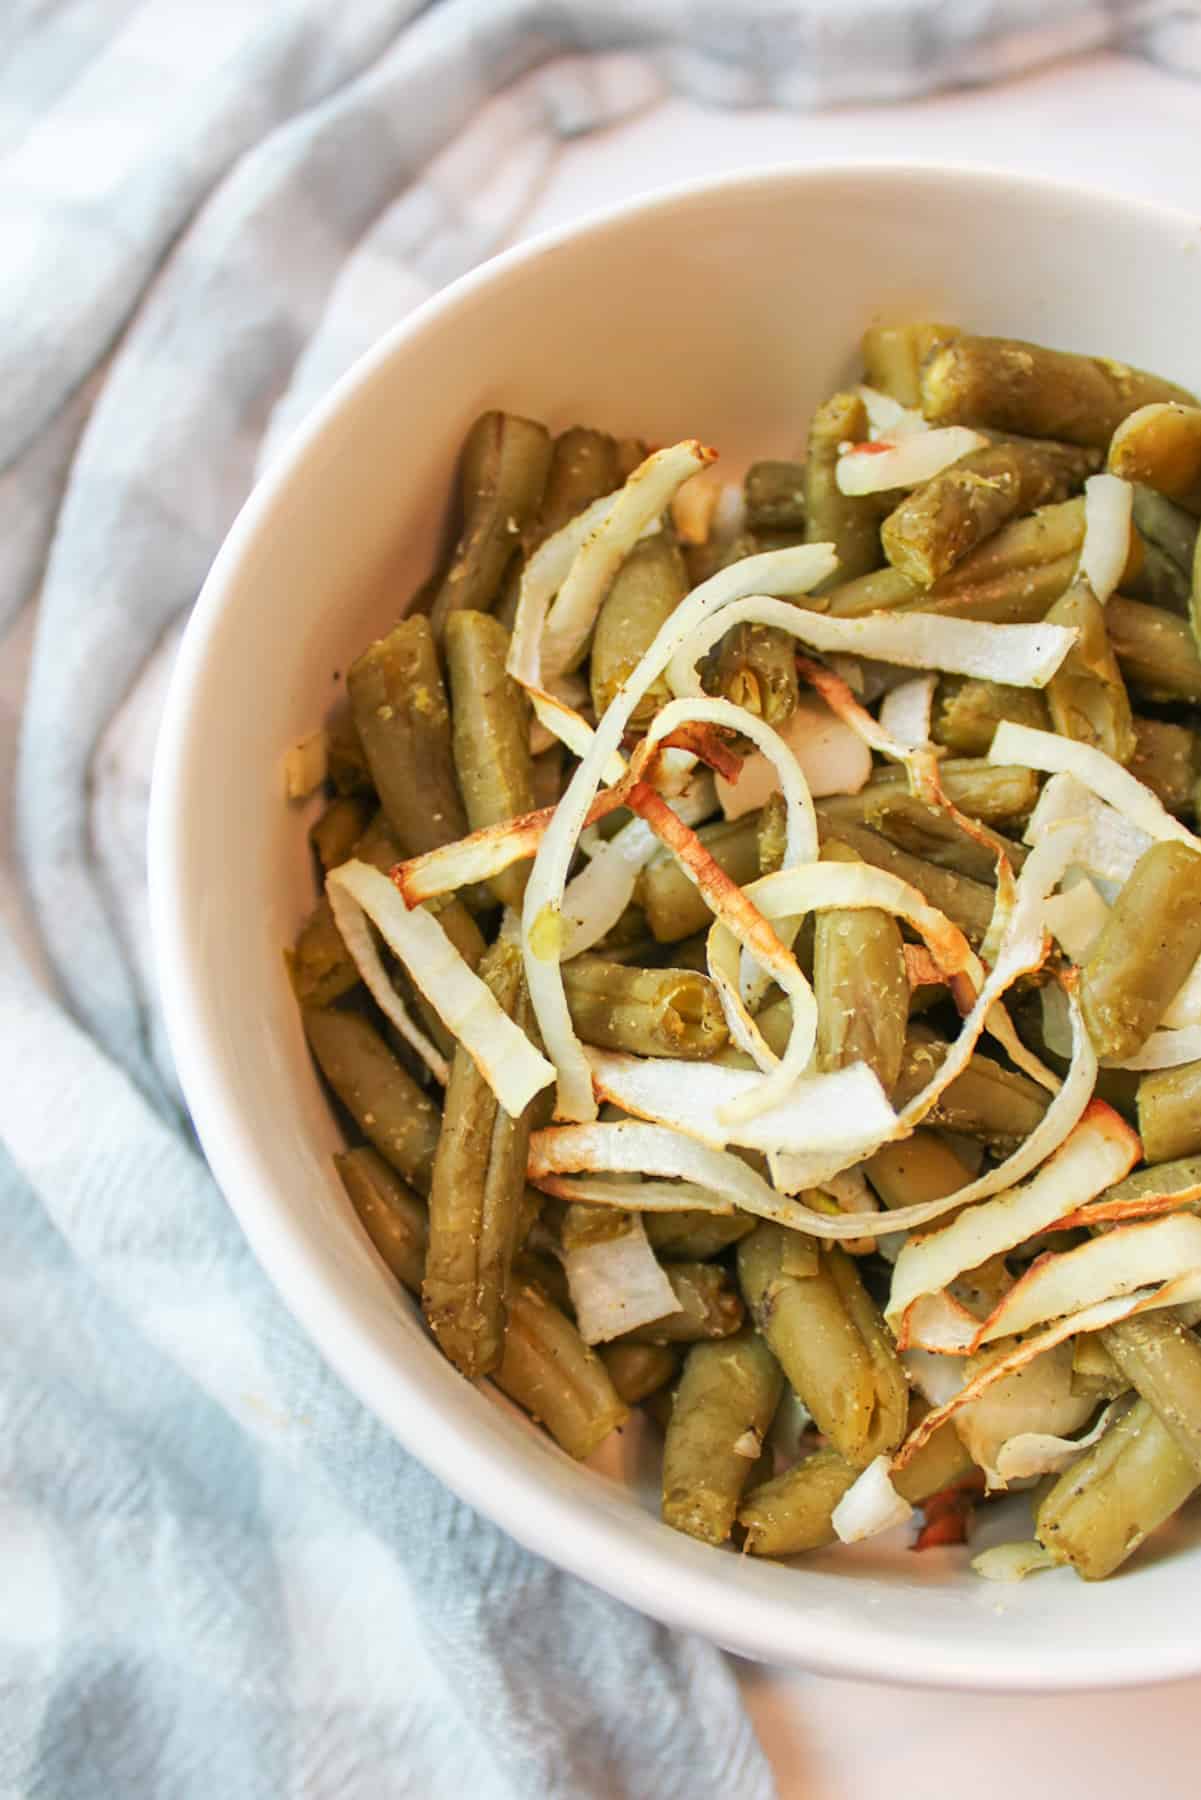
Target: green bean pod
x=967 y=712
x=793 y=1512
x=548 y=1369
x=1095 y=1375
x=829 y=1339
x=694 y=1236
x=723 y=1407
x=1161 y=1358
x=392 y=1112
x=403 y=718
x=775 y=496
x=645 y=591
x=345 y=759
x=1012 y=386
x=1169 y=527
x=1114 y=1496
x=1169 y=1113
x=849 y=522
x=1160 y=445
x=993 y=793
x=936 y=525
x=756 y=669
x=502 y=476
x=893 y=356
x=1180 y=1176
x=1150 y=941
x=490 y=737
x=708 y=1307
x=986 y=1101
x=1156 y=651
x=911 y=1170
x=639 y=1370
x=648 y=1012
x=673 y=906
x=861 y=986
x=1167 y=759
x=967 y=902
x=477 y=1194
x=1086 y=696
x=583 y=466
x=924 y=831
x=393 y=1217
x=339 y=828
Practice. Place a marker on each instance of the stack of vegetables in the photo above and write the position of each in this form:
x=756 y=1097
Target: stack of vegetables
x=761 y=949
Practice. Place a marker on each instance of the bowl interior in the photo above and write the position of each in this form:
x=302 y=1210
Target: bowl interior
x=724 y=312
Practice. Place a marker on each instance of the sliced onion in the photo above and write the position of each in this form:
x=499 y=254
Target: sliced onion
x=356 y=934
x=1045 y=750
x=904 y=462
x=938 y=1324
x=557 y=717
x=504 y=1055
x=1108 y=520
x=1110 y=845
x=617 y=1283
x=772 y=572
x=1185 y=1008
x=1037 y=1398
x=634 y=1195
x=1013 y=1562
x=887 y=418
x=1032 y=1453
x=1120 y=1261
x=906 y=709
x=870 y=1505
x=1096 y=1153
x=543 y=576
x=832 y=758
x=595 y=899
x=1076 y=918
x=1166 y=1050
x=936 y=1378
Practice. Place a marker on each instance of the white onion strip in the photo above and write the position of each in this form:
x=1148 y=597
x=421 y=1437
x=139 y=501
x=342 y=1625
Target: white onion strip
x=1108 y=517
x=1166 y=1050
x=1054 y=755
x=906 y=709
x=635 y=1195
x=617 y=1283
x=355 y=932
x=595 y=899
x=904 y=462
x=1042 y=1453
x=504 y=1055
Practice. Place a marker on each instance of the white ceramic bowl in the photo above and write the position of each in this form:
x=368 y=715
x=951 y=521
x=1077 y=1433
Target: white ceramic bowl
x=725 y=311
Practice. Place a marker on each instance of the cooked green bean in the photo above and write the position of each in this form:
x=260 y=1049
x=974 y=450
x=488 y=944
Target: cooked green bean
x=1161 y=522
x=477 y=1193
x=723 y=1407
x=502 y=477
x=775 y=496
x=490 y=739
x=1167 y=758
x=548 y=1369
x=849 y=522
x=339 y=828
x=1169 y=1113
x=583 y=466
x=403 y=718
x=1086 y=696
x=638 y=1370
x=648 y=1012
x=1161 y=1358
x=1159 y=581
x=917 y=1168
x=1179 y=1176
x=319 y=964
x=545 y=1272
x=674 y=907
x=1094 y=1372
x=772 y=834
x=987 y=1101
x=928 y=831
x=1149 y=943
x=830 y=1341
x=393 y=1217
x=708 y=1306
x=646 y=589
x=969 y=903
x=345 y=758
x=392 y=1112
x=936 y=525
x=861 y=986
x=1156 y=651
x=1108 y=1502
x=694 y=1236
x=967 y=712
x=756 y=668
x=893 y=356
x=630 y=452
x=1013 y=386
x=1161 y=446
x=939 y=1464
x=994 y=793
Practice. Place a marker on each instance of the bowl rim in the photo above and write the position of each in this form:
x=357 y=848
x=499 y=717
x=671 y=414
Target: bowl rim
x=589 y=1542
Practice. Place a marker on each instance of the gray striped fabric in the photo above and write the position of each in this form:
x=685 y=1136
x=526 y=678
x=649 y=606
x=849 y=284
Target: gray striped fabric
x=218 y=1577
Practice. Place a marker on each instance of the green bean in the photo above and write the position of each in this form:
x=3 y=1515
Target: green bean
x=829 y=1339
x=396 y=1115
x=941 y=1462
x=403 y=719
x=723 y=1407
x=583 y=466
x=658 y=1408
x=849 y=522
x=688 y=953
x=477 y=1194
x=1155 y=650
x=994 y=793
x=1012 y=386
x=917 y=1168
x=393 y=1217
x=1167 y=759
x=674 y=908
x=548 y=1369
x=793 y=1512
x=339 y=828
x=987 y=1101
x=936 y=525
x=1109 y=1501
x=1161 y=522
x=1195 y=596
x=1160 y=581
x=968 y=903
x=967 y=712
x=502 y=477
x=1086 y=696
x=545 y=1272
x=319 y=965
x=927 y=831
x=756 y=668
x=861 y=985
x=1162 y=1360
x=893 y=356
x=490 y=739
x=631 y=452
x=646 y=589
x=1169 y=1113
x=1149 y=943
x=649 y=1012
x=345 y=758
x=772 y=834
x=1161 y=446
x=708 y=1307
x=1094 y=1372
x=694 y=1236
x=775 y=496
x=639 y=1370
x=1180 y=1176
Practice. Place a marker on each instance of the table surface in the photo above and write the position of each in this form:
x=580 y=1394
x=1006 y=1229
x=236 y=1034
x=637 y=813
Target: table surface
x=837 y=1740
